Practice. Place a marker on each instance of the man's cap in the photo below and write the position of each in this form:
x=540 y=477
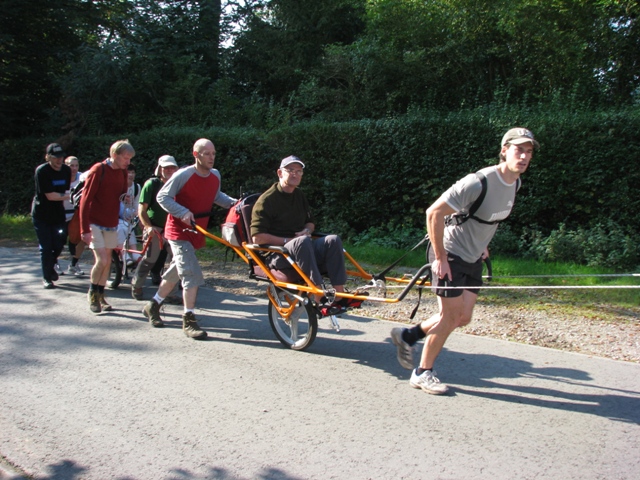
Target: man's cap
x=165 y=161
x=289 y=160
x=55 y=149
x=517 y=136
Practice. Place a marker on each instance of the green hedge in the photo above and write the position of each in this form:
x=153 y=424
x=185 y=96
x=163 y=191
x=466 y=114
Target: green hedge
x=369 y=173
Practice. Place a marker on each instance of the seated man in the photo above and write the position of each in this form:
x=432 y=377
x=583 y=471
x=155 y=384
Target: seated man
x=281 y=216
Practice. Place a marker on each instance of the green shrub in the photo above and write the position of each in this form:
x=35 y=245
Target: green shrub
x=607 y=245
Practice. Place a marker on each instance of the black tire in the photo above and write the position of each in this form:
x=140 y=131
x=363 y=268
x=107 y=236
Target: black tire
x=300 y=330
x=115 y=272
x=489 y=273
x=487 y=264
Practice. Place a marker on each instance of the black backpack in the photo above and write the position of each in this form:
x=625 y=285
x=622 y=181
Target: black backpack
x=76 y=192
x=460 y=218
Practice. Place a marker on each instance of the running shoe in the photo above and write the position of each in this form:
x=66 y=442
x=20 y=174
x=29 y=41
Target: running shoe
x=429 y=382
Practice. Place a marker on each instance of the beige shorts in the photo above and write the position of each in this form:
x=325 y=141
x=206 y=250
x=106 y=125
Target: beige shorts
x=184 y=265
x=102 y=238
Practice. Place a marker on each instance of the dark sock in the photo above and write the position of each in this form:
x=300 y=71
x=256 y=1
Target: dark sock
x=413 y=334
x=93 y=287
x=74 y=261
x=420 y=371
x=100 y=288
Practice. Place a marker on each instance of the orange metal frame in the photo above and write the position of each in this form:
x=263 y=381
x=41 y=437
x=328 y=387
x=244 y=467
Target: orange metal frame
x=251 y=252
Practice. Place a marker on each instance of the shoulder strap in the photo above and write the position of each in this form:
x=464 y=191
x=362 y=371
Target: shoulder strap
x=476 y=205
x=156 y=185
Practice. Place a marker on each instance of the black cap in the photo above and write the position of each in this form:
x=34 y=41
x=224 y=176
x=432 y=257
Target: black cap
x=55 y=149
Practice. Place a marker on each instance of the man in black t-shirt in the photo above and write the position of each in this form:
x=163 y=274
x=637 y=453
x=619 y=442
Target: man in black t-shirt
x=52 y=184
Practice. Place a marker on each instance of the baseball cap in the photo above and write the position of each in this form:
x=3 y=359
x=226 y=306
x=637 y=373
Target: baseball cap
x=55 y=149
x=289 y=160
x=165 y=161
x=519 y=135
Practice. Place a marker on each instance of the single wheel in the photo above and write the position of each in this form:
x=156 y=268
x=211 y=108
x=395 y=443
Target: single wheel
x=487 y=271
x=299 y=330
x=115 y=272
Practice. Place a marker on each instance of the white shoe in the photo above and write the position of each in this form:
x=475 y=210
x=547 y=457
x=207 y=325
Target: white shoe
x=428 y=382
x=77 y=271
x=58 y=270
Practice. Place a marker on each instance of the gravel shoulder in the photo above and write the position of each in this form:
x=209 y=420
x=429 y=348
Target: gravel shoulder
x=602 y=332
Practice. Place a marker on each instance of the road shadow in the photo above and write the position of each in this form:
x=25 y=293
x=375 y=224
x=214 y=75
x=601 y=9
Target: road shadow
x=70 y=470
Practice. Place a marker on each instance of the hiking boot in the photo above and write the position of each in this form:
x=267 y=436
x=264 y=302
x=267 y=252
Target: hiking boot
x=136 y=293
x=152 y=311
x=428 y=382
x=191 y=328
x=106 y=307
x=94 y=301
x=156 y=278
x=405 y=351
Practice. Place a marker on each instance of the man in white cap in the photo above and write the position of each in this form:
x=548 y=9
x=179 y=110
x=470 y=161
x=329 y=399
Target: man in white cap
x=153 y=219
x=460 y=230
x=282 y=216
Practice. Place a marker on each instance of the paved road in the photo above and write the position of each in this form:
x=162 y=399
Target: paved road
x=107 y=397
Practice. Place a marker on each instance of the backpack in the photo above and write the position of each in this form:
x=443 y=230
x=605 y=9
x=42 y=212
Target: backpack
x=76 y=192
x=460 y=218
x=235 y=227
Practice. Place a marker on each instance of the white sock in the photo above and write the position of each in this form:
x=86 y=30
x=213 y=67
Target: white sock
x=158 y=299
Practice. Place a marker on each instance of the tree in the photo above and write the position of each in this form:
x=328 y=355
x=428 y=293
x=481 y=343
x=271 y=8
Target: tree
x=36 y=44
x=284 y=40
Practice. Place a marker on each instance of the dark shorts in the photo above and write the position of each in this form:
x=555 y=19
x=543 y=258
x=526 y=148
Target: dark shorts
x=465 y=274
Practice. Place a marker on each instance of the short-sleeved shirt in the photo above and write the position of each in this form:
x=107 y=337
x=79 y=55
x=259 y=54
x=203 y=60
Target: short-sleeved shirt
x=469 y=239
x=156 y=213
x=48 y=180
x=279 y=213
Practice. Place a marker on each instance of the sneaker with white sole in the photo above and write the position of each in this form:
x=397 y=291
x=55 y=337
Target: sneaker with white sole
x=428 y=382
x=58 y=270
x=405 y=351
x=75 y=270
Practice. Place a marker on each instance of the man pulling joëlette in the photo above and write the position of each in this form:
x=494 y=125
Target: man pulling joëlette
x=191 y=191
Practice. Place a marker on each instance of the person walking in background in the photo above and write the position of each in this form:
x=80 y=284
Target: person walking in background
x=190 y=191
x=153 y=219
x=106 y=182
x=127 y=216
x=75 y=243
x=52 y=184
x=460 y=244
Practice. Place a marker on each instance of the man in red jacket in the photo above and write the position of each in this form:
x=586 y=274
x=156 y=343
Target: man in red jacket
x=105 y=183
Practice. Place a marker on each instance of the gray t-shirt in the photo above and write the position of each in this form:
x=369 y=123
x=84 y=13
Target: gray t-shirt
x=469 y=239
